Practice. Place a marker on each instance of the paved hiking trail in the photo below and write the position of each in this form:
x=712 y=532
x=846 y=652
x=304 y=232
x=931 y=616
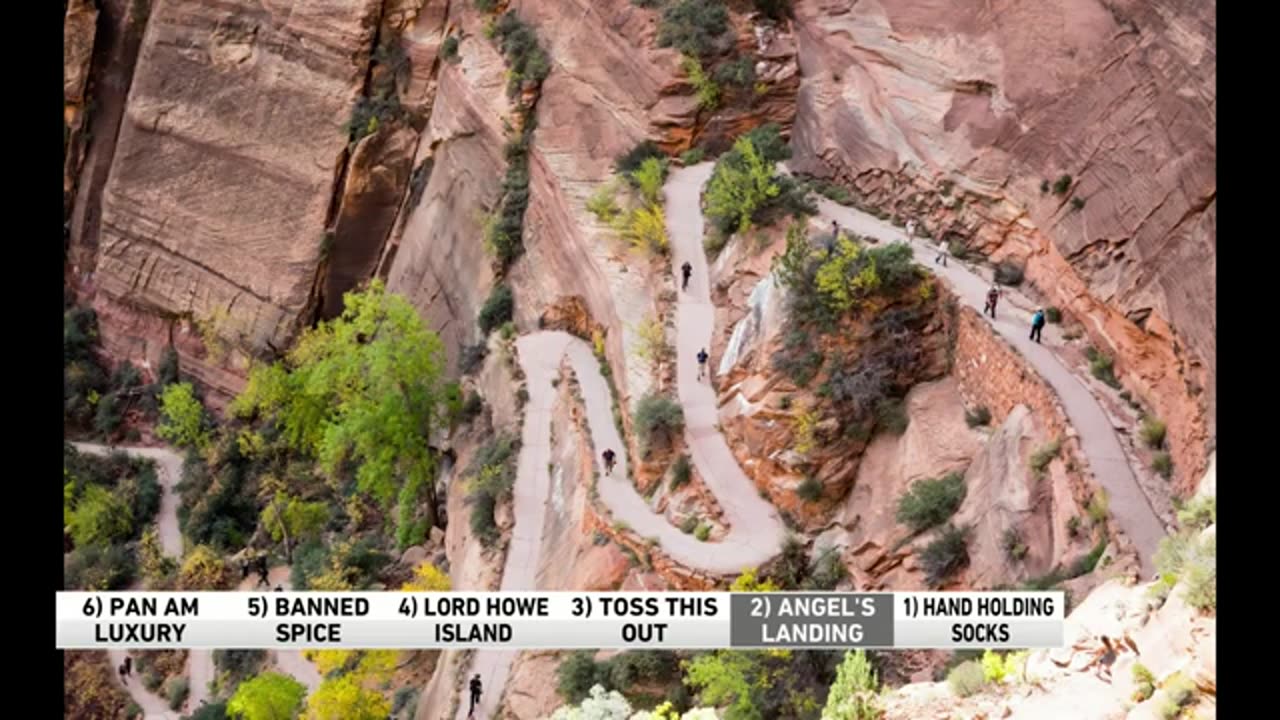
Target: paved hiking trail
x=755 y=529
x=200 y=668
x=1126 y=500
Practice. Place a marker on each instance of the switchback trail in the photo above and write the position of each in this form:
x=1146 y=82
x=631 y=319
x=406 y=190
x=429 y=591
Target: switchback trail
x=1127 y=502
x=755 y=529
x=200 y=669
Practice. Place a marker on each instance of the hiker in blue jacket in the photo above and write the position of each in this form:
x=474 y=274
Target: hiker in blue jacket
x=1037 y=324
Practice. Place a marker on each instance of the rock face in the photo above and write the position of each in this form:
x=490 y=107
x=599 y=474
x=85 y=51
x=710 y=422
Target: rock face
x=223 y=177
x=78 y=33
x=936 y=442
x=1000 y=98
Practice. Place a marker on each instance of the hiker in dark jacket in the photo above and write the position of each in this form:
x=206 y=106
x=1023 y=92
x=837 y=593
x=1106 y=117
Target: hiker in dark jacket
x=686 y=271
x=993 y=295
x=476 y=688
x=609 y=459
x=702 y=362
x=1037 y=324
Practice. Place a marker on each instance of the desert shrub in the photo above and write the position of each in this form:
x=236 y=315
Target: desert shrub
x=497 y=309
x=967 y=678
x=630 y=161
x=176 y=691
x=371 y=113
x=1162 y=463
x=1073 y=526
x=1152 y=432
x=947 y=553
x=203 y=569
x=1144 y=683
x=1199 y=513
x=1008 y=273
x=603 y=202
x=740 y=71
x=681 y=471
x=100 y=517
x=703 y=532
x=1199 y=571
x=1097 y=507
x=1053 y=314
x=891 y=416
x=1077 y=203
x=799 y=361
x=576 y=675
x=239 y=663
x=855 y=693
x=1178 y=692
x=486 y=5
x=1062 y=185
x=648 y=179
x=692 y=26
x=692 y=156
x=658 y=420
x=706 y=89
x=1102 y=367
x=527 y=62
x=689 y=524
x=810 y=489
x=996 y=667
x=646 y=229
x=449 y=49
x=929 y=503
x=1011 y=543
x=1044 y=186
x=978 y=417
x=1044 y=455
x=99 y=567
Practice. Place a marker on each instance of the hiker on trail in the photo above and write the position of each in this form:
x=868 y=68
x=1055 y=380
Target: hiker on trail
x=835 y=231
x=942 y=251
x=475 y=694
x=244 y=569
x=993 y=295
x=609 y=458
x=125 y=669
x=686 y=271
x=911 y=229
x=262 y=571
x=1037 y=324
x=1107 y=659
x=702 y=362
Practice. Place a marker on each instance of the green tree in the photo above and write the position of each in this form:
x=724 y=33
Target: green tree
x=741 y=184
x=345 y=698
x=928 y=503
x=364 y=387
x=301 y=519
x=183 y=421
x=269 y=696
x=726 y=677
x=100 y=517
x=853 y=695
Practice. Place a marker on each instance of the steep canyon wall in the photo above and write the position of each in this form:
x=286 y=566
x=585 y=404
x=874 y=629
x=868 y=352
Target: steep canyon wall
x=1003 y=99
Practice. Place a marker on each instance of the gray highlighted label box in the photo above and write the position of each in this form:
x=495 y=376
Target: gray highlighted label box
x=811 y=620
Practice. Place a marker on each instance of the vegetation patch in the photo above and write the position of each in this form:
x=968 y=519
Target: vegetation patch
x=659 y=420
x=1041 y=458
x=948 y=553
x=1008 y=273
x=693 y=26
x=967 y=679
x=1102 y=367
x=929 y=503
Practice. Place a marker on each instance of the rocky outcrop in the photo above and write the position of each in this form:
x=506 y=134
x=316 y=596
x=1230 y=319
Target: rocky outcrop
x=1003 y=101
x=78 y=33
x=936 y=442
x=226 y=165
